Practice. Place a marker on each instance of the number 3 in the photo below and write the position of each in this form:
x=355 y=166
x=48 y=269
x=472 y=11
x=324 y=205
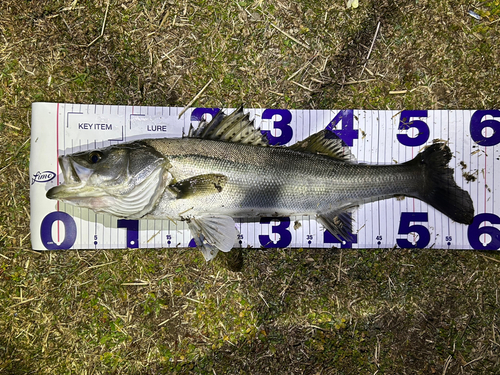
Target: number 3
x=283 y=124
x=281 y=229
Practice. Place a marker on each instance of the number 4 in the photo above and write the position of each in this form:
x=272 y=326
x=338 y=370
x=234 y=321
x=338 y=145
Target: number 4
x=347 y=132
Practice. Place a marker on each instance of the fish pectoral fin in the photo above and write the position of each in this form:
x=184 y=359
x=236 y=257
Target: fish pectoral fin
x=327 y=143
x=338 y=223
x=199 y=185
x=213 y=233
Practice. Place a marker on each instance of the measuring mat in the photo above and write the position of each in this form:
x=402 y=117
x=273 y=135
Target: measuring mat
x=375 y=137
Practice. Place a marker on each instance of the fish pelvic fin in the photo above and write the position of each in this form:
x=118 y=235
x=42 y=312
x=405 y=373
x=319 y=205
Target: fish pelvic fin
x=439 y=188
x=212 y=233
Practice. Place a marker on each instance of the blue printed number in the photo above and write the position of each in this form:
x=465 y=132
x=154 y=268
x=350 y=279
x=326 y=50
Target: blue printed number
x=422 y=232
x=69 y=230
x=474 y=232
x=477 y=125
x=345 y=244
x=281 y=229
x=347 y=132
x=132 y=227
x=198 y=113
x=283 y=125
x=406 y=123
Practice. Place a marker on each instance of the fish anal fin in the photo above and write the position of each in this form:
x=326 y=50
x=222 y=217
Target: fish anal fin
x=199 y=185
x=338 y=223
x=327 y=143
x=212 y=233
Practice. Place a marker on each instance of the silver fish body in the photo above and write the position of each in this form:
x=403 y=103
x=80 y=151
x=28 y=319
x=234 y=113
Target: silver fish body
x=275 y=181
x=225 y=169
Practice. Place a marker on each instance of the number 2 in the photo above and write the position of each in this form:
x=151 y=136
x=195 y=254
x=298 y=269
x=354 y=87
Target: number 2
x=198 y=113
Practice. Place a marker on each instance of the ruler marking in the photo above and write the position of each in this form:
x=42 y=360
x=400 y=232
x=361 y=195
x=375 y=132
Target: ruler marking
x=484 y=177
x=378 y=158
x=377 y=146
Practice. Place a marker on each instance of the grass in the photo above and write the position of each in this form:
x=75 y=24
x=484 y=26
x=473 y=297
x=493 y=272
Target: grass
x=289 y=310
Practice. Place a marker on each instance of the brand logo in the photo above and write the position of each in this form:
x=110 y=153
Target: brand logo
x=44 y=176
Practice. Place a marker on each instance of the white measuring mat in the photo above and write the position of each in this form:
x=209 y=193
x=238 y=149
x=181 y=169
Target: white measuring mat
x=375 y=137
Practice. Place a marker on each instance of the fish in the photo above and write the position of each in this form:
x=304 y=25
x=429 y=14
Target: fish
x=226 y=169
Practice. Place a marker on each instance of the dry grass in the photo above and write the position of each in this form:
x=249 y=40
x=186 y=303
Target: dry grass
x=288 y=311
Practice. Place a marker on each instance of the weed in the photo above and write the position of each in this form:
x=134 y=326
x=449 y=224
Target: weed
x=289 y=310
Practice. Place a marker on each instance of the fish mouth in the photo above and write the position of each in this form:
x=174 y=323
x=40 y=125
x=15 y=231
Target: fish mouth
x=64 y=192
x=75 y=177
x=74 y=192
x=69 y=172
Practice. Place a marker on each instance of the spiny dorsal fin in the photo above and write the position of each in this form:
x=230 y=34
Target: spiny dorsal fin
x=199 y=185
x=327 y=143
x=236 y=128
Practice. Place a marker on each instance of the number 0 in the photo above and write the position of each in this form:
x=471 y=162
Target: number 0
x=69 y=230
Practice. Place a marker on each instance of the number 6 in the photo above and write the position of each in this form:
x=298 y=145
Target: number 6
x=477 y=124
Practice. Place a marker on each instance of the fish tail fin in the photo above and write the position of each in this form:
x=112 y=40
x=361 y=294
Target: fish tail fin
x=439 y=189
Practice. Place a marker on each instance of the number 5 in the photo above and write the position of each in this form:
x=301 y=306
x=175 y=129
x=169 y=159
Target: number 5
x=424 y=236
x=406 y=123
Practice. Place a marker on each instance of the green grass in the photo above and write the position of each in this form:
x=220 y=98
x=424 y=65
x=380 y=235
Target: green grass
x=289 y=310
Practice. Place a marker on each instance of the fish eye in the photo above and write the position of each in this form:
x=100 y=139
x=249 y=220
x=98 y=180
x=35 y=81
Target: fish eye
x=95 y=157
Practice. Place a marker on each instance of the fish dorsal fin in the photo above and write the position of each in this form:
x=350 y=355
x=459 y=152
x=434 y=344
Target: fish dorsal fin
x=236 y=128
x=339 y=223
x=199 y=185
x=327 y=143
x=212 y=233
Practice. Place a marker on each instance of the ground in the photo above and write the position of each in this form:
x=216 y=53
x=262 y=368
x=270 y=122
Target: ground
x=392 y=311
